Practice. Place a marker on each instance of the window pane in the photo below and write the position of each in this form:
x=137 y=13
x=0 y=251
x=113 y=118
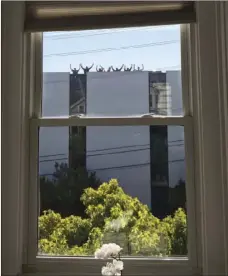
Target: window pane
x=122 y=184
x=128 y=71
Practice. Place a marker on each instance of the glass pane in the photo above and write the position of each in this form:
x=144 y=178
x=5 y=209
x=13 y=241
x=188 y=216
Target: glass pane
x=121 y=184
x=128 y=71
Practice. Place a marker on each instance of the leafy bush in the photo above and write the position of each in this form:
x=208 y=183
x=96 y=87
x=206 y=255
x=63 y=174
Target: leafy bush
x=76 y=230
x=176 y=228
x=48 y=223
x=113 y=216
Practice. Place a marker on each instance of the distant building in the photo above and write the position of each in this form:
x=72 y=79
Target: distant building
x=78 y=107
x=146 y=160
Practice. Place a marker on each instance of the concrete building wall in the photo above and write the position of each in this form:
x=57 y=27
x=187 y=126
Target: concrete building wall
x=109 y=94
x=115 y=94
x=54 y=141
x=56 y=94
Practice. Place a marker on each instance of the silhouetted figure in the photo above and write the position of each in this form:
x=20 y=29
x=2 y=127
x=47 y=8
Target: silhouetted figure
x=100 y=69
x=117 y=69
x=138 y=68
x=127 y=68
x=74 y=70
x=86 y=69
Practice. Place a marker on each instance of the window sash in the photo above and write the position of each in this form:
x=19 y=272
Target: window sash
x=142 y=266
x=111 y=121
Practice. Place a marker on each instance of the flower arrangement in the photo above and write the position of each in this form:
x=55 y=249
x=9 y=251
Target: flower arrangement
x=110 y=250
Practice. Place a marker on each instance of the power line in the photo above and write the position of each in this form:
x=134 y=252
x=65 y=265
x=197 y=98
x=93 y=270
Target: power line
x=161 y=43
x=126 y=166
x=135 y=165
x=70 y=36
x=51 y=160
x=126 y=151
x=120 y=147
x=73 y=35
x=130 y=146
x=107 y=153
x=78 y=34
x=52 y=155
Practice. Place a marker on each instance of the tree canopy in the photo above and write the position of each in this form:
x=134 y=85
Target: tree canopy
x=112 y=216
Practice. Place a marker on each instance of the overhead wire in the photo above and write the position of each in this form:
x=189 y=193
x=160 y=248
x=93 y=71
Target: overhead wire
x=70 y=35
x=119 y=147
x=107 y=153
x=125 y=166
x=135 y=165
x=136 y=46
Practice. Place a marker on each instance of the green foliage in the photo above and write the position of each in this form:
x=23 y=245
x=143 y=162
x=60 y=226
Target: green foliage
x=177 y=196
x=109 y=202
x=61 y=193
x=145 y=236
x=113 y=216
x=48 y=223
x=76 y=230
x=62 y=235
x=56 y=244
x=95 y=240
x=176 y=229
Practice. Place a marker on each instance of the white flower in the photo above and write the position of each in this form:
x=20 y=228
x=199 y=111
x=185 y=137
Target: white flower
x=108 y=270
x=107 y=251
x=118 y=265
x=110 y=250
x=99 y=254
x=112 y=269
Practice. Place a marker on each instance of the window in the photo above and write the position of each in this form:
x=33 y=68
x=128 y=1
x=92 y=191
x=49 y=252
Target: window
x=112 y=150
x=207 y=62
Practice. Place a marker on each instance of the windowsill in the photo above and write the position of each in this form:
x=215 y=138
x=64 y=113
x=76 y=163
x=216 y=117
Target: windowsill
x=90 y=266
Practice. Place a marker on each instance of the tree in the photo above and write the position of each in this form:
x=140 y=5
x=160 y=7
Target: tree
x=62 y=193
x=113 y=216
x=77 y=147
x=177 y=197
x=176 y=228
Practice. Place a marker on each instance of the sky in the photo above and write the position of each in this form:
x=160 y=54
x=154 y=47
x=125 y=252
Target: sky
x=157 y=48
